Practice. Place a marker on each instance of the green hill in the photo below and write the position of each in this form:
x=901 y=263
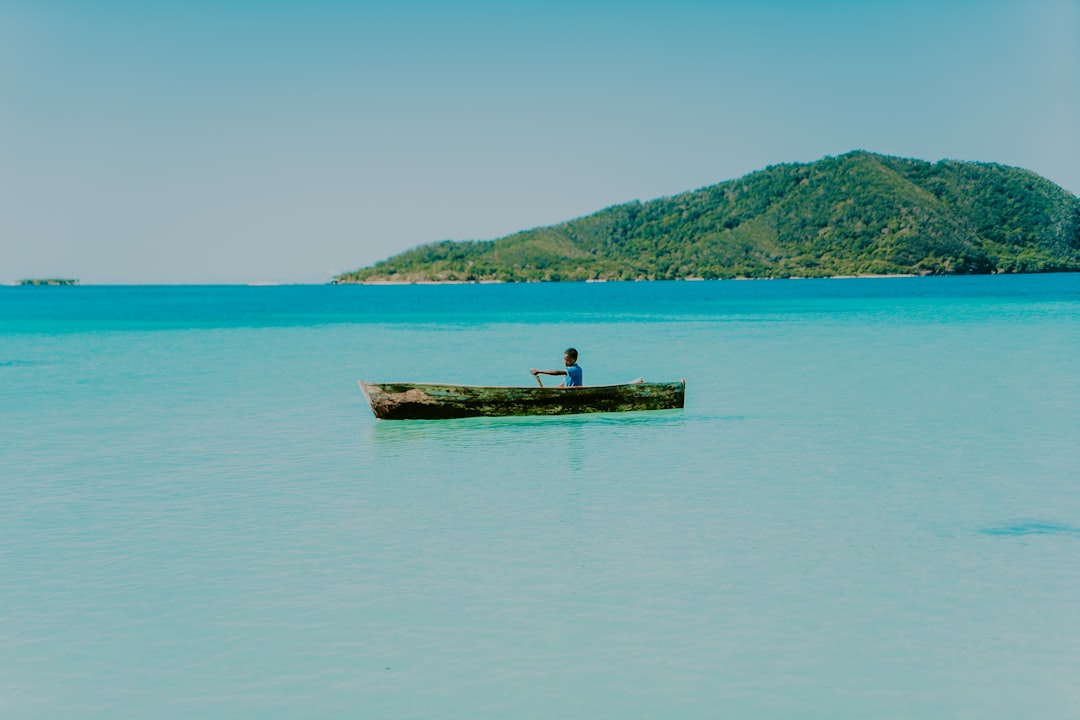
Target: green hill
x=855 y=214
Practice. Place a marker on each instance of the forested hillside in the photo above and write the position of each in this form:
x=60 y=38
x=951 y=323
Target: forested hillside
x=855 y=214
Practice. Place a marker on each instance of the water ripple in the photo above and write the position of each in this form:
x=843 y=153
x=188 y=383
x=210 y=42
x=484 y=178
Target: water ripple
x=1032 y=528
x=20 y=363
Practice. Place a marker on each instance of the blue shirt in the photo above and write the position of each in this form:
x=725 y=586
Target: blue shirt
x=573 y=376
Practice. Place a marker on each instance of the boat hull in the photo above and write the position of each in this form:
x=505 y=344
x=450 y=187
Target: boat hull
x=422 y=401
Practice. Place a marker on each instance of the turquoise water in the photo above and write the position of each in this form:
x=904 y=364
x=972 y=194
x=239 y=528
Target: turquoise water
x=870 y=507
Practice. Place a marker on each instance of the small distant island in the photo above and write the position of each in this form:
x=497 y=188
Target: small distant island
x=856 y=214
x=48 y=281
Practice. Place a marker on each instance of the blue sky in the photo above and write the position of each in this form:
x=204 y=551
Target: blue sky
x=285 y=141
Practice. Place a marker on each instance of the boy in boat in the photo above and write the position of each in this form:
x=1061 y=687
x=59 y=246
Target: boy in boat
x=572 y=371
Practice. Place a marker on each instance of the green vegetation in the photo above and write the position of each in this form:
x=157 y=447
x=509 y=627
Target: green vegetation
x=856 y=214
x=48 y=281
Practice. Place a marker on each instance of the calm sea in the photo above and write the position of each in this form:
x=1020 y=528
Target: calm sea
x=870 y=507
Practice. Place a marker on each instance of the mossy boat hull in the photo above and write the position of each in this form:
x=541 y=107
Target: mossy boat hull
x=423 y=401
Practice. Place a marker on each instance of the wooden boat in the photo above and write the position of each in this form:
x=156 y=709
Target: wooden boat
x=423 y=401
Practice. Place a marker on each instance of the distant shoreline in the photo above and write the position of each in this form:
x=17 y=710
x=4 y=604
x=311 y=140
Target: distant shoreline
x=556 y=282
x=66 y=282
x=386 y=283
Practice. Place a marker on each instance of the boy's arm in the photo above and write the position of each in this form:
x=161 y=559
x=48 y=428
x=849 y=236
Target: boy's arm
x=534 y=371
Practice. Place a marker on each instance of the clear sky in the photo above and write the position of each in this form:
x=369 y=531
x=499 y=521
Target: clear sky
x=210 y=141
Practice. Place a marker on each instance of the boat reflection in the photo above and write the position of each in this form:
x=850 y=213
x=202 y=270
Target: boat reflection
x=504 y=428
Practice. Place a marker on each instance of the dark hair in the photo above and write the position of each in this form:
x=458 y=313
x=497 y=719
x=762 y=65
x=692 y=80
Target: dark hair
x=572 y=353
